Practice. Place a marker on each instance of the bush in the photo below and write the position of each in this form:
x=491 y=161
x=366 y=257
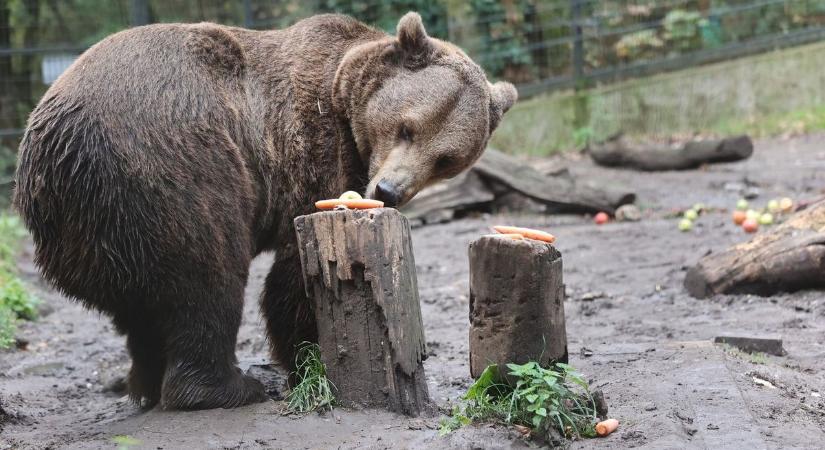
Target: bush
x=16 y=302
x=539 y=398
x=8 y=326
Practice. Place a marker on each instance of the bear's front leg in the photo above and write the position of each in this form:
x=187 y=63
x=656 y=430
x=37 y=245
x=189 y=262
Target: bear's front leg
x=290 y=316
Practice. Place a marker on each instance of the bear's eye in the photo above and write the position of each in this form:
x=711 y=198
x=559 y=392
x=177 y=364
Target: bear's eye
x=405 y=134
x=443 y=163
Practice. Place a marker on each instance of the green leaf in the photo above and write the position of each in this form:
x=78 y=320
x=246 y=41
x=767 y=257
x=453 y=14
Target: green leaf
x=487 y=379
x=531 y=398
x=542 y=412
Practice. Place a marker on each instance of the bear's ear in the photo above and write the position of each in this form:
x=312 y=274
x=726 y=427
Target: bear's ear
x=502 y=96
x=412 y=36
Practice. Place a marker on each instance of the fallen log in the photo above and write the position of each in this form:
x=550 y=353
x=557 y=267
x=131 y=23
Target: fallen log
x=443 y=201
x=787 y=258
x=359 y=271
x=516 y=303
x=561 y=192
x=502 y=182
x=619 y=151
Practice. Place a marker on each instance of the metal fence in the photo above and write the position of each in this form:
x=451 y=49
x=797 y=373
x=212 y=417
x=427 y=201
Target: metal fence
x=540 y=45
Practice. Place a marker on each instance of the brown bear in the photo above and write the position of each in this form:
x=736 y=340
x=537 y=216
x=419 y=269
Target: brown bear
x=168 y=156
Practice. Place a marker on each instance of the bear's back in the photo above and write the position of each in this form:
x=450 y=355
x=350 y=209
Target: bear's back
x=133 y=159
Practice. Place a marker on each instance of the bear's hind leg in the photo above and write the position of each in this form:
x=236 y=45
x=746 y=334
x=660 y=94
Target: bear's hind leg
x=200 y=361
x=148 y=364
x=145 y=344
x=290 y=317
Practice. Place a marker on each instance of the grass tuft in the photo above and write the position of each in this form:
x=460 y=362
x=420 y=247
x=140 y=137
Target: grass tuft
x=539 y=398
x=313 y=390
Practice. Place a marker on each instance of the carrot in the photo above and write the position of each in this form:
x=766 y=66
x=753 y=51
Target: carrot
x=526 y=232
x=363 y=203
x=606 y=427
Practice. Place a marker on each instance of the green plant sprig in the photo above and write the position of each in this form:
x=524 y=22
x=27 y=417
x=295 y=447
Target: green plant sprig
x=313 y=390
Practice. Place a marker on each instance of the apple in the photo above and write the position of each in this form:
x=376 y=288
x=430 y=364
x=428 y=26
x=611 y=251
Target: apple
x=742 y=204
x=786 y=205
x=752 y=214
x=685 y=225
x=766 y=219
x=601 y=218
x=691 y=214
x=350 y=195
x=739 y=216
x=773 y=206
x=699 y=207
x=750 y=225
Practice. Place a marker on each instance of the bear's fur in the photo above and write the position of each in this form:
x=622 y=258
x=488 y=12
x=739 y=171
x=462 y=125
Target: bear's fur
x=168 y=156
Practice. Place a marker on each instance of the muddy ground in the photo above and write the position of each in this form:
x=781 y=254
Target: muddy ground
x=642 y=340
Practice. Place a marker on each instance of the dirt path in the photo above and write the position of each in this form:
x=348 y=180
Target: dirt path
x=648 y=339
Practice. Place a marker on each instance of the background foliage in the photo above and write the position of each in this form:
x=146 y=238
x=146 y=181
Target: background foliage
x=532 y=43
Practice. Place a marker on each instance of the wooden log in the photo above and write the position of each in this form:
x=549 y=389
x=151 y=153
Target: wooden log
x=359 y=271
x=561 y=192
x=789 y=257
x=499 y=182
x=621 y=152
x=516 y=303
x=443 y=201
x=771 y=346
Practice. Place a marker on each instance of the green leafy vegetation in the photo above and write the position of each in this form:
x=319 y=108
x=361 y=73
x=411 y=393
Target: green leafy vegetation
x=8 y=326
x=125 y=442
x=758 y=358
x=313 y=390
x=16 y=302
x=781 y=91
x=539 y=398
x=799 y=121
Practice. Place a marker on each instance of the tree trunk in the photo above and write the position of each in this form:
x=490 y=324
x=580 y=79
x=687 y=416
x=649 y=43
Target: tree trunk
x=787 y=258
x=359 y=270
x=516 y=303
x=619 y=152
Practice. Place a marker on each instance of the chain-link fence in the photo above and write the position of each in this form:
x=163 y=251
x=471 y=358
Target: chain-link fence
x=538 y=44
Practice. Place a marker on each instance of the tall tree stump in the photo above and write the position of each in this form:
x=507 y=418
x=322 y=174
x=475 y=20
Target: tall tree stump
x=516 y=303
x=359 y=271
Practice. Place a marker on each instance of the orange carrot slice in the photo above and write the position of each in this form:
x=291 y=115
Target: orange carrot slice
x=526 y=232
x=363 y=203
x=606 y=427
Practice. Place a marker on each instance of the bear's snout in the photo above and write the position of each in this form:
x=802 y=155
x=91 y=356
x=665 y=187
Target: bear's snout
x=388 y=193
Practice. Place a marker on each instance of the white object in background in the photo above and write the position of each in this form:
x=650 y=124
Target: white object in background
x=54 y=65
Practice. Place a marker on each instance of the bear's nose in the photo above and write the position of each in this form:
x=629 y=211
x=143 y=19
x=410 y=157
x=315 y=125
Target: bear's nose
x=388 y=193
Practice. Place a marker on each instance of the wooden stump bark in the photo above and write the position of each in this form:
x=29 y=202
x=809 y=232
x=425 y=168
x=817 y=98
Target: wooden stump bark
x=620 y=152
x=359 y=270
x=516 y=303
x=787 y=258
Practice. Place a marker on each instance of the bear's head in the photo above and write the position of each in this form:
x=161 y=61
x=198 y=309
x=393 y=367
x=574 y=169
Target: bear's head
x=419 y=109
